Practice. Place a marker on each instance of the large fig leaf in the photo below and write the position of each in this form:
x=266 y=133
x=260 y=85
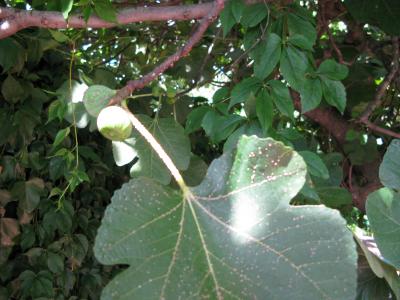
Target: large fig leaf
x=389 y=170
x=383 y=210
x=172 y=138
x=234 y=237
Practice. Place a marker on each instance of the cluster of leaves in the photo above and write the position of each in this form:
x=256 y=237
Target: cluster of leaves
x=48 y=223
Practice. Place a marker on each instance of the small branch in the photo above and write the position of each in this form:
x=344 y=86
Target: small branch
x=385 y=131
x=334 y=46
x=384 y=85
x=133 y=85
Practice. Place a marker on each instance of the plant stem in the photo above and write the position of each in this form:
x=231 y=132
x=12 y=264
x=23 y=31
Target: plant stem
x=160 y=152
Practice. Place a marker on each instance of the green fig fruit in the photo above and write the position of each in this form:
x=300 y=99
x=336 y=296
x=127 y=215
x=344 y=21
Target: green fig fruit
x=114 y=124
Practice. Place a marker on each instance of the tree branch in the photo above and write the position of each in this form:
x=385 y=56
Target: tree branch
x=385 y=131
x=13 y=20
x=133 y=85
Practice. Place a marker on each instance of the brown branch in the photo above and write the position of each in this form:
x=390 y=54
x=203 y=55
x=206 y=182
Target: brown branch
x=13 y=20
x=385 y=131
x=133 y=85
x=384 y=86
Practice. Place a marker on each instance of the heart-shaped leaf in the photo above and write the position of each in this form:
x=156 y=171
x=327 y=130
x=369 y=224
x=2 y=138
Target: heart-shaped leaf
x=235 y=236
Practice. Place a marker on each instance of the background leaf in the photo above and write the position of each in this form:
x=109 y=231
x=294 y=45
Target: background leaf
x=242 y=90
x=105 y=10
x=269 y=53
x=172 y=138
x=311 y=94
x=96 y=98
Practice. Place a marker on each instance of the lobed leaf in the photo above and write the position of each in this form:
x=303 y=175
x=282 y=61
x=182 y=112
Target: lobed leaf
x=235 y=236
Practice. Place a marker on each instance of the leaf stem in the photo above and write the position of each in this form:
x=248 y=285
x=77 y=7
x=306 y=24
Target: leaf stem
x=160 y=152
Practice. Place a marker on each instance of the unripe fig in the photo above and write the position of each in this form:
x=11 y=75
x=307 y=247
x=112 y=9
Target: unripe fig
x=114 y=124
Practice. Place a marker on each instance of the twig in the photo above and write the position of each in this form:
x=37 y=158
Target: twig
x=364 y=118
x=385 y=131
x=325 y=25
x=335 y=47
x=133 y=85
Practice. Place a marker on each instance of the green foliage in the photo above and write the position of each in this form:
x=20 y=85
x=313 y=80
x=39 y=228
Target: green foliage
x=382 y=13
x=267 y=218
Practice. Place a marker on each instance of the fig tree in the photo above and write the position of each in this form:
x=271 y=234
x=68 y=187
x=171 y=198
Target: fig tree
x=114 y=124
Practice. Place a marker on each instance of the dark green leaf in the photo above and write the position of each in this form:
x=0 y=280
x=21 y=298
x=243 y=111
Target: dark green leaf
x=254 y=14
x=12 y=55
x=269 y=54
x=221 y=95
x=60 y=137
x=237 y=9
x=334 y=196
x=196 y=171
x=298 y=27
x=105 y=10
x=28 y=193
x=265 y=109
x=242 y=90
x=333 y=70
x=55 y=262
x=282 y=99
x=334 y=93
x=218 y=127
x=311 y=94
x=227 y=18
x=195 y=118
x=12 y=90
x=315 y=165
x=56 y=110
x=300 y=41
x=293 y=65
